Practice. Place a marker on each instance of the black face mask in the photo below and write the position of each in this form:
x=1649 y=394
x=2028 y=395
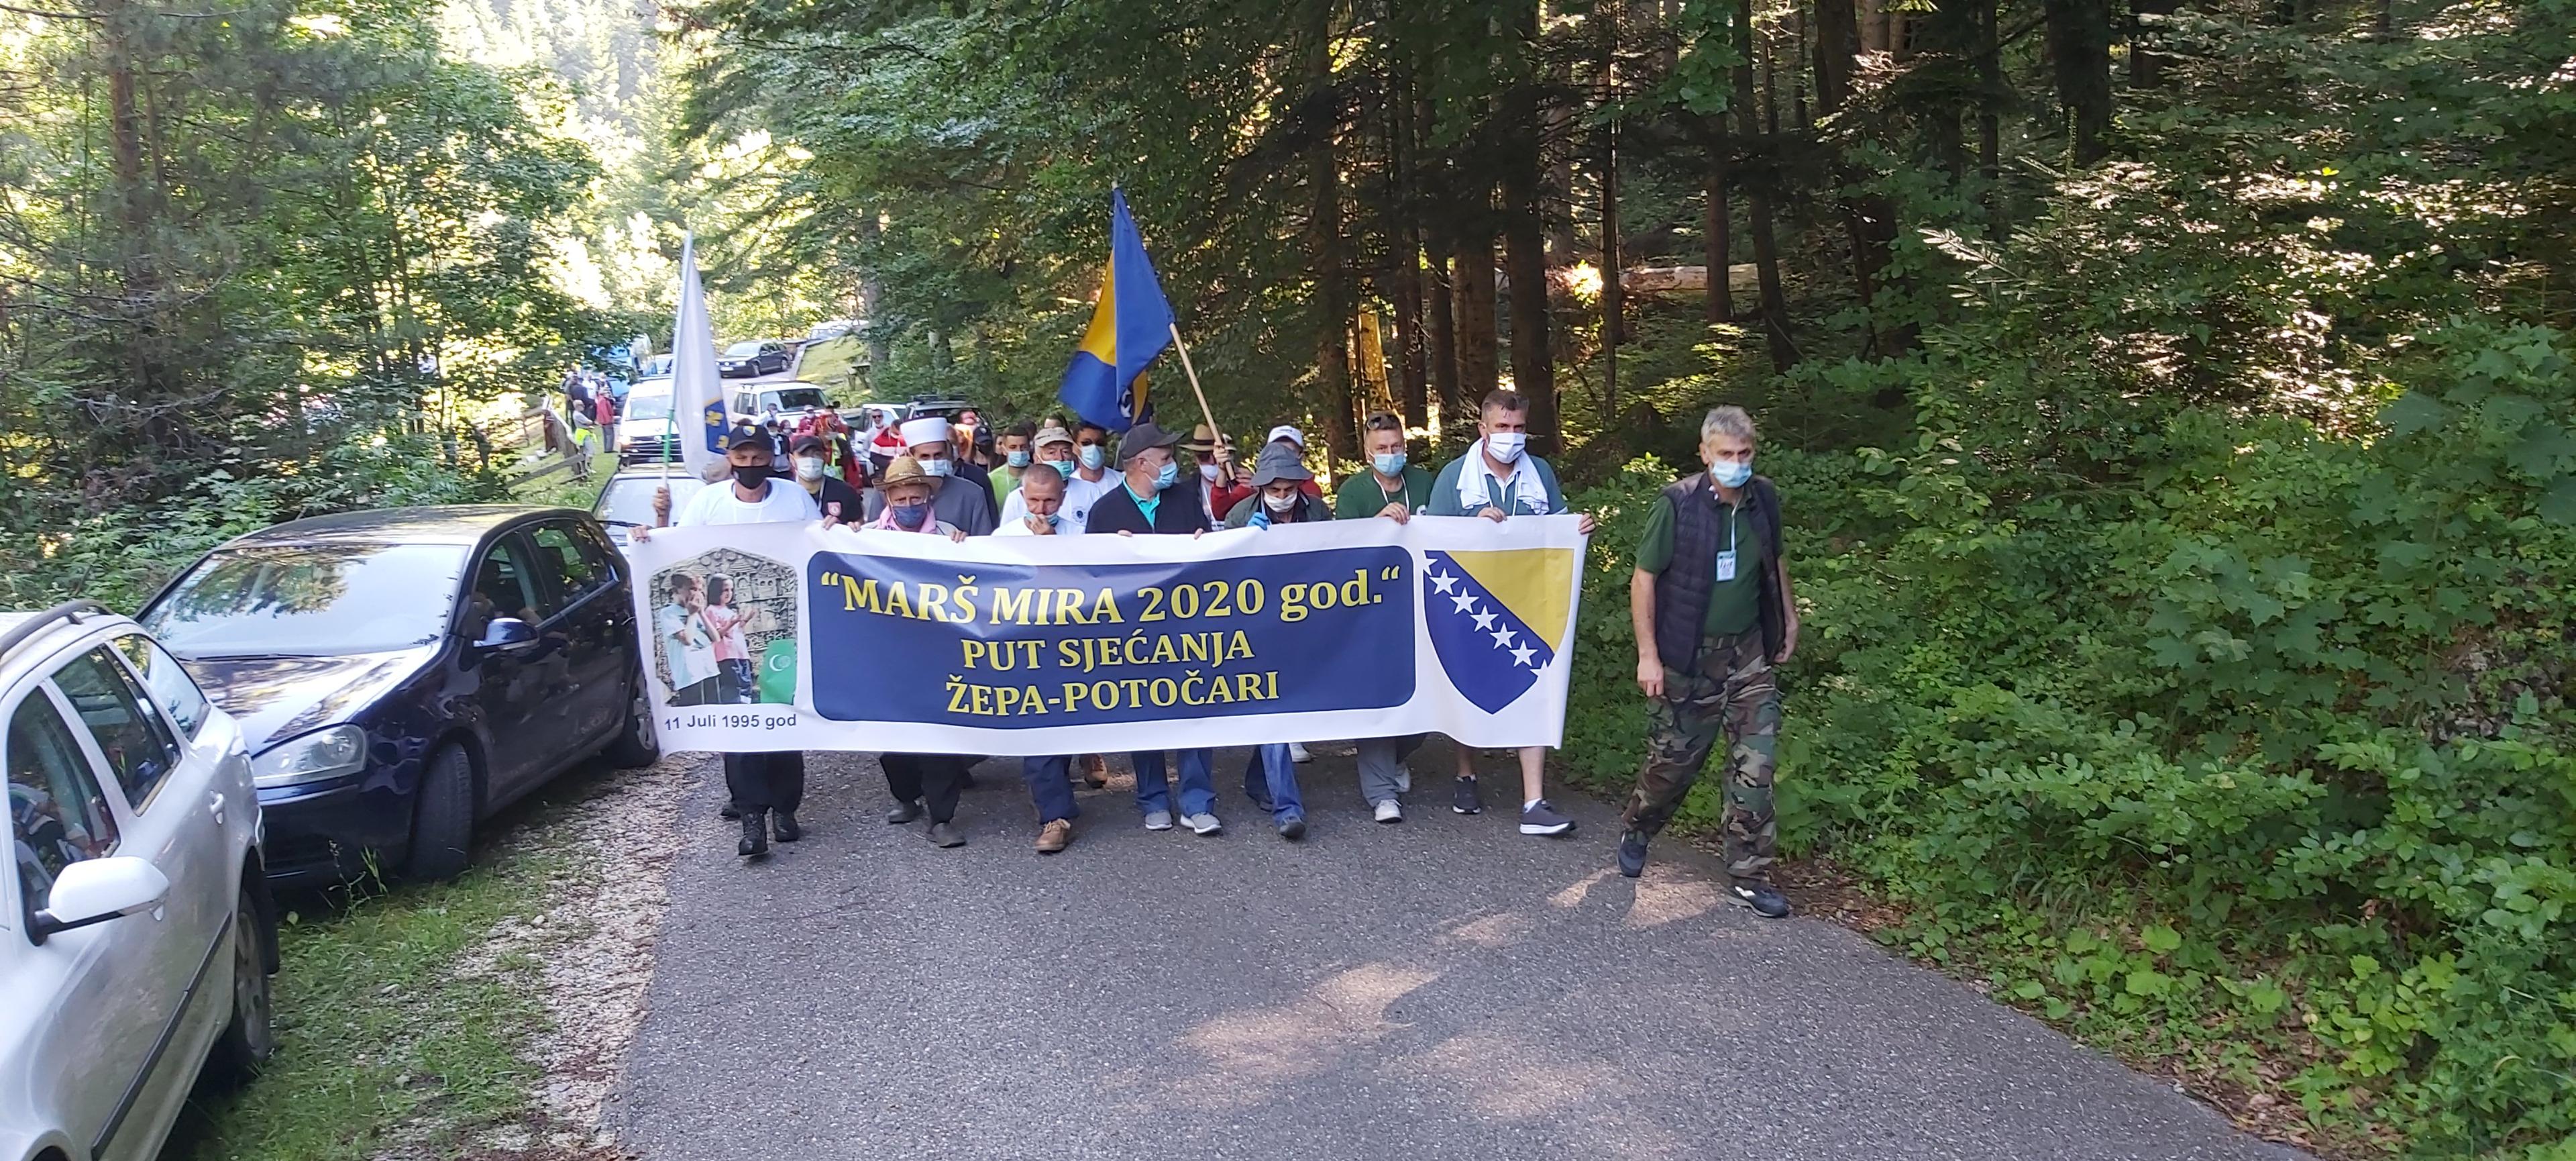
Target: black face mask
x=751 y=476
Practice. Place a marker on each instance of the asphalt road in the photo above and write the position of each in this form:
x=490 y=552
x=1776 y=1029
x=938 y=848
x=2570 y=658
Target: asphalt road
x=1443 y=988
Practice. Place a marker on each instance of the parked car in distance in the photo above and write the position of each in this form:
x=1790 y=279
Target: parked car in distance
x=137 y=936
x=626 y=502
x=655 y=367
x=645 y=430
x=400 y=675
x=755 y=357
x=755 y=404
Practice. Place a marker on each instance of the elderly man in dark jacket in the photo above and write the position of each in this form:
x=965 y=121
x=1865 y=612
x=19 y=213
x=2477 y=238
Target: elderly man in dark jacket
x=1711 y=604
x=1145 y=501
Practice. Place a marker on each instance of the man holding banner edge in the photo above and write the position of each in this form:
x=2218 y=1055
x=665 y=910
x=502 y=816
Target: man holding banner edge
x=1496 y=480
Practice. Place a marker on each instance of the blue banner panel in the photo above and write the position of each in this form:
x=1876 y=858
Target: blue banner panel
x=999 y=646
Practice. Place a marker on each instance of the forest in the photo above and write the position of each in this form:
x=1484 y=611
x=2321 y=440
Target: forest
x=2171 y=400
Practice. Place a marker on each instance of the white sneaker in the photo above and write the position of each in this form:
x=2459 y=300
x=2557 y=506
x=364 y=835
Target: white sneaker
x=1297 y=752
x=1158 y=820
x=1203 y=824
x=1390 y=811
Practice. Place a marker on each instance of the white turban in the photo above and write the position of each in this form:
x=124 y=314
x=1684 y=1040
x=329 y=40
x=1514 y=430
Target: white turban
x=927 y=429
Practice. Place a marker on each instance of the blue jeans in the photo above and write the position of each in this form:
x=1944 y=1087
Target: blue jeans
x=1270 y=781
x=1198 y=782
x=1051 y=787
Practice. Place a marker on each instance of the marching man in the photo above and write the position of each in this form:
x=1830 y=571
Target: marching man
x=1711 y=602
x=1498 y=479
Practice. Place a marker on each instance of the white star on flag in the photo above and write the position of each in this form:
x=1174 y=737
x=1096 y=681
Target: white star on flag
x=1521 y=655
x=1466 y=602
x=1502 y=637
x=1442 y=583
x=1484 y=622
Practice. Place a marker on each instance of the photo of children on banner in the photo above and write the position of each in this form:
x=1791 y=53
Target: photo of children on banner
x=724 y=630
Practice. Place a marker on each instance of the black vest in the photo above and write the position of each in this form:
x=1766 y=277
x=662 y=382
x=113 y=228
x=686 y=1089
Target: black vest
x=1681 y=590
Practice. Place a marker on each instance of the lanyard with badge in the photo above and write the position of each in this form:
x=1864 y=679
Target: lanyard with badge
x=1726 y=559
x=1404 y=494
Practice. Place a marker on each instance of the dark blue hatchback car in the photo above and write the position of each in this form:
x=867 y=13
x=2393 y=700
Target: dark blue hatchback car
x=401 y=674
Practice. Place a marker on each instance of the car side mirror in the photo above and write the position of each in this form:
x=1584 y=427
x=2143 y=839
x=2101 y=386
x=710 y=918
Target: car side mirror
x=97 y=890
x=507 y=635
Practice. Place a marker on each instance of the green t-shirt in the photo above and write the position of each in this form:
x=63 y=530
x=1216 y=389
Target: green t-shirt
x=1005 y=482
x=1734 y=606
x=1360 y=496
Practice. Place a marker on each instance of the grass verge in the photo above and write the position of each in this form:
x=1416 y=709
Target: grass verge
x=401 y=1028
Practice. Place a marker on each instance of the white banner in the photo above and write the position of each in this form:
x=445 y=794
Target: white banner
x=793 y=637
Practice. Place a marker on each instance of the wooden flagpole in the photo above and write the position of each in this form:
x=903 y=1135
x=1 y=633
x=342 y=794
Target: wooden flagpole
x=1193 y=373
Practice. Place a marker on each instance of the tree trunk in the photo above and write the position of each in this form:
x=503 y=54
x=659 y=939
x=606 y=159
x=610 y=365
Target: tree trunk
x=1613 y=315
x=1442 y=307
x=1837 y=45
x=1405 y=240
x=2079 y=44
x=1715 y=227
x=1324 y=224
x=1758 y=191
x=1479 y=370
x=2146 y=66
x=1525 y=241
x=1990 y=149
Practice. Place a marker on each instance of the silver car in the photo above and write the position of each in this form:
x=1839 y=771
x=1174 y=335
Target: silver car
x=136 y=933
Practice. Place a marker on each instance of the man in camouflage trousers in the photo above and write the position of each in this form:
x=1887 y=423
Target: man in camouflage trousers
x=1713 y=612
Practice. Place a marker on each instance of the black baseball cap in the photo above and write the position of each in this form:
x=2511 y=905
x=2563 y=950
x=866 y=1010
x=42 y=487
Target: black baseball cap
x=1143 y=437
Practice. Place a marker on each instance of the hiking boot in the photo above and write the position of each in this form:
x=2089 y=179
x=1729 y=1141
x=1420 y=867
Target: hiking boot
x=783 y=824
x=903 y=812
x=1293 y=828
x=1463 y=798
x=755 y=834
x=1390 y=811
x=1158 y=820
x=1202 y=823
x=1765 y=899
x=1054 y=837
x=1632 y=853
x=946 y=834
x=1095 y=771
x=1541 y=819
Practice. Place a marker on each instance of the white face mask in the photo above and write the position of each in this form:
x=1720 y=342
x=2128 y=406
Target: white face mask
x=1506 y=445
x=937 y=467
x=1279 y=503
x=809 y=467
x=1207 y=472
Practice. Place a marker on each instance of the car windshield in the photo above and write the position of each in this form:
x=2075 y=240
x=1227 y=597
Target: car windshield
x=648 y=407
x=630 y=498
x=796 y=399
x=739 y=350
x=316 y=599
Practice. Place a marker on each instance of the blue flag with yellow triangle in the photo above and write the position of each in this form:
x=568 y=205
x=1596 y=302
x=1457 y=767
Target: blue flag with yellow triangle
x=1130 y=325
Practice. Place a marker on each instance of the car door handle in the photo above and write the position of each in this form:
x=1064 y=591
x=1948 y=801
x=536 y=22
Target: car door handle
x=216 y=807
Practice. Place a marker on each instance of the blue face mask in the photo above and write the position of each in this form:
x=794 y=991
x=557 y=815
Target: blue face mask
x=1731 y=474
x=910 y=517
x=1063 y=468
x=1093 y=455
x=937 y=467
x=1019 y=459
x=1390 y=464
x=1170 y=475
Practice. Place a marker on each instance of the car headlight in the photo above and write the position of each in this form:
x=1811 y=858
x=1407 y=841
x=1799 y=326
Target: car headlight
x=333 y=753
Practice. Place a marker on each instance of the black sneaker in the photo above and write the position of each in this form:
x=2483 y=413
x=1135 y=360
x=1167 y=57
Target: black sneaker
x=1541 y=819
x=903 y=812
x=783 y=823
x=755 y=835
x=1632 y=853
x=1765 y=899
x=1463 y=799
